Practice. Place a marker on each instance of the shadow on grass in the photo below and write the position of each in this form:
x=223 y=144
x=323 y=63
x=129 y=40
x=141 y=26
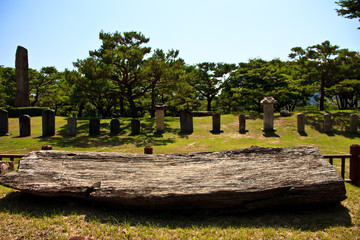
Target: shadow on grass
x=83 y=140
x=306 y=219
x=340 y=123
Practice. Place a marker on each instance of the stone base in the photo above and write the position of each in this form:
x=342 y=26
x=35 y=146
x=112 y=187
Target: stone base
x=216 y=131
x=243 y=131
x=268 y=130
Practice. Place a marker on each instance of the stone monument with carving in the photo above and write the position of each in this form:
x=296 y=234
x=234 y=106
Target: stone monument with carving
x=22 y=78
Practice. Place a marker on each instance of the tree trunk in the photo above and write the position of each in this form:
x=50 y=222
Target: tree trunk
x=152 y=110
x=133 y=108
x=122 y=110
x=209 y=100
x=322 y=95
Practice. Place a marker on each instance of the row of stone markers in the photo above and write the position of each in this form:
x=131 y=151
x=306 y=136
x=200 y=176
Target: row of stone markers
x=186 y=123
x=48 y=123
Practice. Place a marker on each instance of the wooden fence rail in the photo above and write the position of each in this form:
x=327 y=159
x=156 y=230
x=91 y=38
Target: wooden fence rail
x=342 y=157
x=11 y=156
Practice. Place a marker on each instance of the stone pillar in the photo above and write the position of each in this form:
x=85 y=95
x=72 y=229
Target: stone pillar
x=160 y=114
x=216 y=124
x=94 y=127
x=4 y=122
x=48 y=123
x=242 y=123
x=268 y=103
x=327 y=123
x=72 y=126
x=22 y=78
x=135 y=126
x=301 y=122
x=114 y=126
x=24 y=125
x=186 y=122
x=354 y=121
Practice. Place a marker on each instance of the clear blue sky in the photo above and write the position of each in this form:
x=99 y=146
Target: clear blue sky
x=57 y=33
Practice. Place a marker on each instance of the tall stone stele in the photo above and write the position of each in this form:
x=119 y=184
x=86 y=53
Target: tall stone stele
x=48 y=123
x=268 y=103
x=160 y=115
x=186 y=122
x=22 y=78
x=4 y=122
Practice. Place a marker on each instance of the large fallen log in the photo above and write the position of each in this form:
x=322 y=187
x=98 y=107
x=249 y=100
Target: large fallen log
x=250 y=178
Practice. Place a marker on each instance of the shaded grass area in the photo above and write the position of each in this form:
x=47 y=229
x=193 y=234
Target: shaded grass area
x=27 y=216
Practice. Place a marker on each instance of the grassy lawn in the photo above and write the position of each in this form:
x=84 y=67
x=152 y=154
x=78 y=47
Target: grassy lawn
x=29 y=217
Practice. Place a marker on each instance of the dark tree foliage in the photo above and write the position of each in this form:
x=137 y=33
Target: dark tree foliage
x=349 y=9
x=122 y=57
x=209 y=78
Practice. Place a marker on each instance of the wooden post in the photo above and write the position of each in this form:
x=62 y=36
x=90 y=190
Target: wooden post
x=355 y=164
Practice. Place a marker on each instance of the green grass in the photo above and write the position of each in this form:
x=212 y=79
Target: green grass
x=338 y=142
x=30 y=217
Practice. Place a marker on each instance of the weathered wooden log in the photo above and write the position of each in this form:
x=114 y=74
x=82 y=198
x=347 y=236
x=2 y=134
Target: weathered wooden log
x=250 y=178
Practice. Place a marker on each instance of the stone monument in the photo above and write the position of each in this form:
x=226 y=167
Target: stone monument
x=354 y=121
x=135 y=126
x=24 y=125
x=268 y=103
x=301 y=122
x=242 y=124
x=4 y=122
x=160 y=114
x=48 y=123
x=186 y=122
x=94 y=127
x=327 y=123
x=216 y=124
x=72 y=126
x=22 y=78
x=114 y=126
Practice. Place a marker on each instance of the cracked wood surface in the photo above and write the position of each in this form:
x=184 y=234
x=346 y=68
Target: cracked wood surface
x=250 y=178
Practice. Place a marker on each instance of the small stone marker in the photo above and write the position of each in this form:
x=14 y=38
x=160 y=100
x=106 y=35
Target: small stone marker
x=22 y=78
x=186 y=122
x=4 y=122
x=242 y=124
x=327 y=123
x=48 y=123
x=135 y=126
x=24 y=125
x=268 y=103
x=160 y=114
x=216 y=124
x=94 y=127
x=72 y=126
x=46 y=147
x=148 y=149
x=301 y=122
x=285 y=113
x=354 y=121
x=114 y=126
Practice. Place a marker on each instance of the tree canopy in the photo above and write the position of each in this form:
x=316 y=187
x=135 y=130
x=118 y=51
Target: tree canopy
x=125 y=77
